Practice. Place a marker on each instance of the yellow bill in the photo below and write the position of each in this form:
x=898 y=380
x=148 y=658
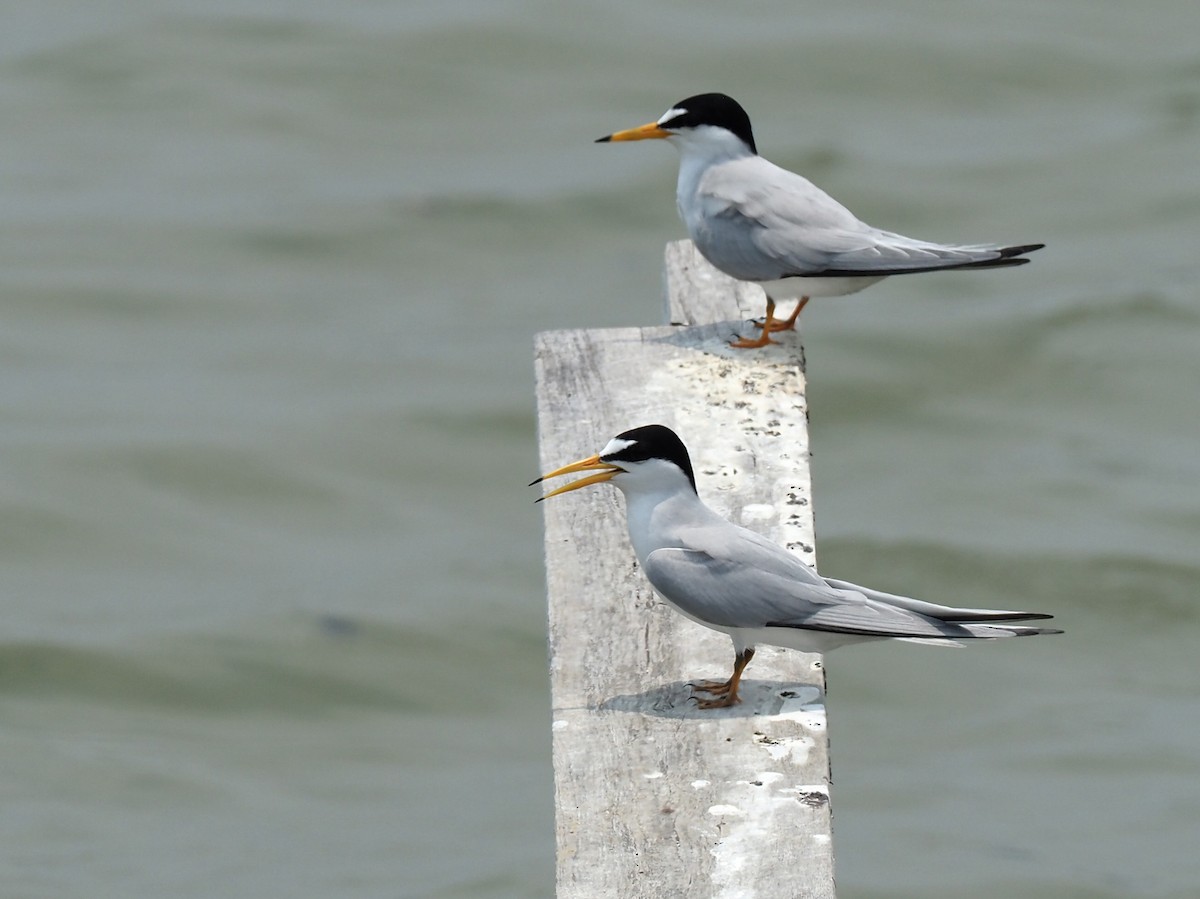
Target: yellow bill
x=592 y=463
x=644 y=132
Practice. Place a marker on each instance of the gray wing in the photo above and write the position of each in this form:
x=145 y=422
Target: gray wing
x=731 y=577
x=727 y=593
x=933 y=610
x=765 y=223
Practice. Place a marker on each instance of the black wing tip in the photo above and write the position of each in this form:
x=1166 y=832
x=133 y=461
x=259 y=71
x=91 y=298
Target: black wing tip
x=1000 y=616
x=998 y=262
x=1008 y=257
x=1006 y=252
x=1012 y=630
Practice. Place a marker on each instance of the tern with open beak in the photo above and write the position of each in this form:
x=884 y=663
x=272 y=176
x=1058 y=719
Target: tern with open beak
x=735 y=581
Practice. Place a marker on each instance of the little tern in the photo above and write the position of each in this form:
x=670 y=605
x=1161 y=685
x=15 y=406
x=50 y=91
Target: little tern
x=738 y=582
x=758 y=222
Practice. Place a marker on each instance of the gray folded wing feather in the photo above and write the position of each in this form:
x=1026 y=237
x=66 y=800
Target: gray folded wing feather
x=933 y=610
x=767 y=223
x=727 y=593
x=734 y=578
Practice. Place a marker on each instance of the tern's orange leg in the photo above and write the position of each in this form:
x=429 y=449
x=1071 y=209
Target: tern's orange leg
x=790 y=323
x=768 y=325
x=728 y=688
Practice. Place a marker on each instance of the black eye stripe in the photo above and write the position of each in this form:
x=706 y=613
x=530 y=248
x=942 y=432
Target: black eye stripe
x=635 y=452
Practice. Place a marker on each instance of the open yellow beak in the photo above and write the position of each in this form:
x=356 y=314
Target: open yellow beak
x=591 y=463
x=645 y=132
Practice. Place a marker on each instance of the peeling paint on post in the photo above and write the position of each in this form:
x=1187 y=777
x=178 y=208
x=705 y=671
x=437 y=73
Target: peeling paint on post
x=655 y=797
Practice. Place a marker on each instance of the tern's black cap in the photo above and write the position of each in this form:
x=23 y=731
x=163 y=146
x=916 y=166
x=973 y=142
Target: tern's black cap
x=653 y=442
x=718 y=110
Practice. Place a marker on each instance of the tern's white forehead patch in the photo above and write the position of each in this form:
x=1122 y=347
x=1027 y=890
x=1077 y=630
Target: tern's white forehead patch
x=615 y=446
x=670 y=114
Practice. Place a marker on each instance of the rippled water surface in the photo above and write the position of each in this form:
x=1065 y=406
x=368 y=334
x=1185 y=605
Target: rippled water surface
x=271 y=579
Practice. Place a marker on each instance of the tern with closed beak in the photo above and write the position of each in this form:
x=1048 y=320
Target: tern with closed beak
x=758 y=222
x=735 y=581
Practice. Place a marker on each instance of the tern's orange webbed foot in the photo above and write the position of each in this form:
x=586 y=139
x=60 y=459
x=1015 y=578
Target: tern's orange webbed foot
x=729 y=687
x=729 y=699
x=745 y=343
x=716 y=687
x=768 y=325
